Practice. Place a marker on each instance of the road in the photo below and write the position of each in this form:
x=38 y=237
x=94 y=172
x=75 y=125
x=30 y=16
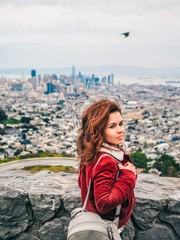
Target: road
x=38 y=161
x=73 y=112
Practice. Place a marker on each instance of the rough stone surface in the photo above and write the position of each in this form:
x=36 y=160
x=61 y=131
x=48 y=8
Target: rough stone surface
x=25 y=236
x=128 y=231
x=15 y=212
x=37 y=206
x=56 y=229
x=157 y=232
x=171 y=220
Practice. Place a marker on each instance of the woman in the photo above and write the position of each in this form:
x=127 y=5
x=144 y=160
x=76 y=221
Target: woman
x=102 y=132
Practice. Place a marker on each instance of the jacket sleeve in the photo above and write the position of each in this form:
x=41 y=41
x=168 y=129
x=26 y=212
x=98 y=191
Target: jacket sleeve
x=109 y=192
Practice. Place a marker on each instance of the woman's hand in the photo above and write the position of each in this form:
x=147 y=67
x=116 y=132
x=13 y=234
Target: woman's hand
x=128 y=166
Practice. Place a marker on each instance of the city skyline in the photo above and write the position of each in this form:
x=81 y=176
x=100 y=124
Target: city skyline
x=58 y=33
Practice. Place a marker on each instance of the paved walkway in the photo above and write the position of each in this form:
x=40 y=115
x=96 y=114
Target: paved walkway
x=38 y=161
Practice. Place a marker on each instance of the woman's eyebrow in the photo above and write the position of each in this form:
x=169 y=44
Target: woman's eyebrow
x=114 y=122
x=111 y=123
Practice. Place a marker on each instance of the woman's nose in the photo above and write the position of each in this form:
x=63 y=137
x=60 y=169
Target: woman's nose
x=120 y=129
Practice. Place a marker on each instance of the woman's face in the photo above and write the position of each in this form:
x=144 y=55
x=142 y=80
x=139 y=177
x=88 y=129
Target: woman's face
x=114 y=130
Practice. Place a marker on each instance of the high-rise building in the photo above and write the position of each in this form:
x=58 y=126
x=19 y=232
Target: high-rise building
x=80 y=76
x=109 y=79
x=73 y=72
x=112 y=78
x=104 y=79
x=88 y=83
x=51 y=88
x=16 y=87
x=33 y=73
x=54 y=76
x=93 y=77
x=70 y=88
x=96 y=81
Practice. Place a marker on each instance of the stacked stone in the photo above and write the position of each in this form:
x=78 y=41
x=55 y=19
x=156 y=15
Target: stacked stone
x=38 y=206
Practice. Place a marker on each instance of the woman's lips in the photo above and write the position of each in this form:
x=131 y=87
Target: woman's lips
x=120 y=137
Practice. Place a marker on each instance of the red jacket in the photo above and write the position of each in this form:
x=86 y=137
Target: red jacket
x=107 y=193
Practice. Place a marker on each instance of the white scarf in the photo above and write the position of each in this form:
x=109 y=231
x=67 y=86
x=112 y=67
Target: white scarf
x=115 y=152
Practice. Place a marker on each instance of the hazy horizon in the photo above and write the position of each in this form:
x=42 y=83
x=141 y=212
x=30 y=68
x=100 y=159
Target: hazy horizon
x=131 y=71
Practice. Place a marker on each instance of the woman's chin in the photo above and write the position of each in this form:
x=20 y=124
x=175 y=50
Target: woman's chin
x=120 y=142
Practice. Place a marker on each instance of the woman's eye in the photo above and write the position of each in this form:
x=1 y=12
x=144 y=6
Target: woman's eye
x=121 y=124
x=112 y=126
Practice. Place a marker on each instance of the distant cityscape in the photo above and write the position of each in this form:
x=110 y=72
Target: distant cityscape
x=166 y=73
x=45 y=110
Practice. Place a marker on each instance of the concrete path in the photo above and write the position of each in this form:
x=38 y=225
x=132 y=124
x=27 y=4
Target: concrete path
x=38 y=161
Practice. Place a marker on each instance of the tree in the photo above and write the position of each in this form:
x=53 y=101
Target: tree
x=17 y=152
x=3 y=115
x=167 y=165
x=2 y=131
x=140 y=159
x=26 y=120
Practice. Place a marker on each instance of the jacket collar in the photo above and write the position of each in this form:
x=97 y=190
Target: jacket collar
x=115 y=152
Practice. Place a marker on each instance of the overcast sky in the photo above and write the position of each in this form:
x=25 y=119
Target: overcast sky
x=60 y=33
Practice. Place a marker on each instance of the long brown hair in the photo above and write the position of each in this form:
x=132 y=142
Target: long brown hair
x=91 y=133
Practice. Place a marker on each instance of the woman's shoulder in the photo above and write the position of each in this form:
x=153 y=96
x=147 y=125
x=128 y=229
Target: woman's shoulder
x=104 y=158
x=102 y=161
x=107 y=165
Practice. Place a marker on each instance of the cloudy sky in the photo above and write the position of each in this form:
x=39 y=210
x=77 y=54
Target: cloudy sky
x=60 y=33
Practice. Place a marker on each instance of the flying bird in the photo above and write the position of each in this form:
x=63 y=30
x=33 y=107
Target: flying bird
x=126 y=34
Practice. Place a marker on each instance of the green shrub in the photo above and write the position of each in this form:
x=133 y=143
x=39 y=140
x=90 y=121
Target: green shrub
x=167 y=165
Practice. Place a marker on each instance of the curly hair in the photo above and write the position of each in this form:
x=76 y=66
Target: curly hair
x=91 y=133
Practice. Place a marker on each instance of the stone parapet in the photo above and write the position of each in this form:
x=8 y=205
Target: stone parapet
x=38 y=206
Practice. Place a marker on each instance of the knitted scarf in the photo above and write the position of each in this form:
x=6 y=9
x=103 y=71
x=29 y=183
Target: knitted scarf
x=115 y=152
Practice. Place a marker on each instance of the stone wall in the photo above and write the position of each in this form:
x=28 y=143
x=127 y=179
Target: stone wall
x=38 y=206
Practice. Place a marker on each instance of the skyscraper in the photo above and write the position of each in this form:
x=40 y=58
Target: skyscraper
x=73 y=72
x=109 y=79
x=33 y=73
x=112 y=78
x=51 y=88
